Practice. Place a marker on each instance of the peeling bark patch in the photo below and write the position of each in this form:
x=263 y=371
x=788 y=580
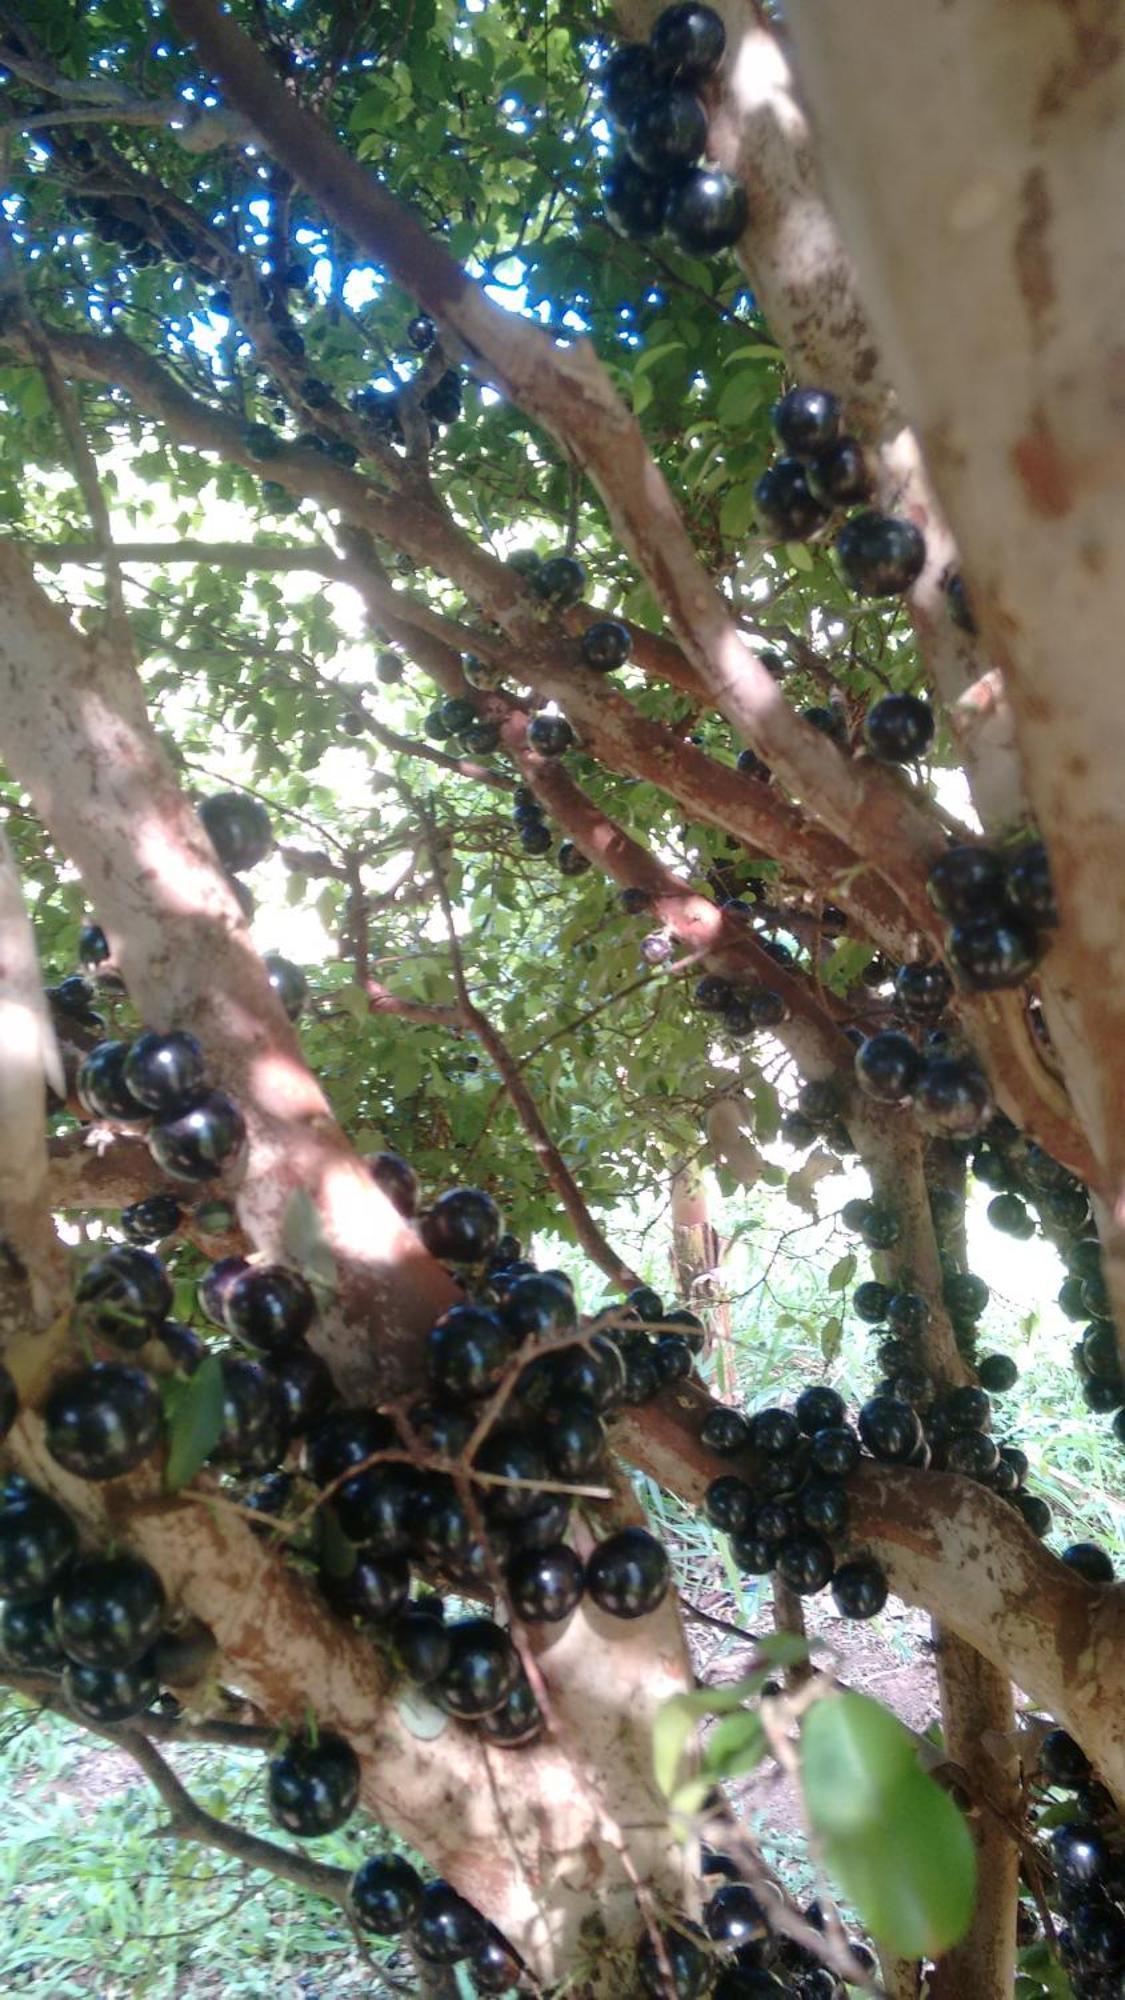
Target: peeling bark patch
x=1034 y=273
x=1042 y=470
x=1097 y=46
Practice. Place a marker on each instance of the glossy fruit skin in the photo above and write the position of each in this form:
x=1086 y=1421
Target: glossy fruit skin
x=375 y=1589
x=823 y=1507
x=537 y=1306
x=1089 y=1561
x=127 y=1293
x=1081 y=1855
x=965 y=1294
x=706 y=211
x=634 y=203
x=550 y=735
x=108 y=1610
x=667 y=131
x=881 y=555
x=1062 y=1761
x=198 y=1143
x=101 y=1086
x=908 y=1313
x=773 y=1432
x=965 y=882
x=992 y=953
x=889 y=1428
x=806 y=422
x=805 y=1562
x=462 y=1226
x=385 y=1894
x=27 y=1636
x=729 y=1504
x=835 y=1451
x=109 y=1694
x=345 y=1439
x=421 y=1644
x=467 y=1352
x=93 y=947
x=239 y=829
x=165 y=1072
x=887 y=1066
x=859 y=1588
x=870 y=1301
x=305 y=1387
x=898 y=728
x=447 y=1928
x=687 y=41
x=921 y=992
x=627 y=1576
x=787 y=506
x=1007 y=1213
x=628 y=75
x=546 y=1584
x=725 y=1431
x=397 y=1179
x=313 y=1788
x=998 y=1373
x=100 y=1422
x=493 y=1966
x=1029 y=887
x=972 y=1453
x=606 y=645
x=37 y=1540
x=512 y=1453
x=288 y=982
x=269 y=1306
x=839 y=476
x=156 y=1215
x=559 y=580
x=954 y=1097
x=253 y=1432
x=692 y=1966
x=1035 y=1511
x=573 y=1434
x=483 y=1668
x=734 y=1916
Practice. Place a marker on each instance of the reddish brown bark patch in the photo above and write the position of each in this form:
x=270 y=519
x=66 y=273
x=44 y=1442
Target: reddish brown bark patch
x=1042 y=469
x=1096 y=47
x=1034 y=273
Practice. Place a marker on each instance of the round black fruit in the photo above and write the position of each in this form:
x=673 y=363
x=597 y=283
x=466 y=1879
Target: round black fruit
x=165 y=1072
x=447 y=1928
x=606 y=645
x=628 y=1575
x=27 y=1636
x=805 y=1562
x=313 y=1787
x=787 y=506
x=691 y=1965
x=288 y=982
x=859 y=1588
x=37 y=1541
x=806 y=422
x=253 y=1432
x=216 y=1283
x=421 y=1644
x=397 y=1179
x=1089 y=1561
x=881 y=555
x=1028 y=885
x=839 y=476
x=898 y=728
x=108 y=1610
x=634 y=202
x=126 y=1293
x=385 y=1894
x=667 y=131
x=687 y=41
x=993 y=952
x=887 y=1066
x=729 y=1504
x=998 y=1373
x=483 y=1668
x=725 y=1431
x=922 y=991
x=870 y=1301
x=706 y=211
x=1062 y=1761
x=239 y=829
x=835 y=1451
x=493 y=1966
x=953 y=1097
x=305 y=1387
x=823 y=1506
x=1007 y=1213
x=467 y=1352
x=550 y=735
x=199 y=1142
x=559 y=580
x=574 y=1435
x=462 y=1227
x=100 y=1422
x=147 y=1220
x=571 y=860
x=93 y=947
x=773 y=1432
x=889 y=1428
x=546 y=1584
x=101 y=1086
x=269 y=1306
x=109 y=1694
x=966 y=881
x=734 y=1916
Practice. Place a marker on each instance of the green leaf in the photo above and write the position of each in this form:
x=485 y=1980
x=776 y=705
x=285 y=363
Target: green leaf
x=896 y=1844
x=736 y=1745
x=742 y=396
x=831 y=1337
x=193 y=1415
x=677 y=1718
x=842 y=1273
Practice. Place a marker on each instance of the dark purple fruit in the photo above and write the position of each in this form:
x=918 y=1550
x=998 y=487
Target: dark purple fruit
x=687 y=41
x=1089 y=1561
x=1082 y=1856
x=922 y=992
x=972 y=1453
x=859 y=1588
x=447 y=1928
x=725 y=1431
x=839 y=476
x=1028 y=886
x=100 y=1422
x=216 y=1283
x=908 y=1314
x=691 y=1965
x=998 y=1373
x=313 y=1787
x=673 y=1357
x=385 y=1894
x=127 y=1293
x=288 y=982
x=787 y=506
x=965 y=1294
x=379 y=1507
x=1062 y=1761
x=823 y=1506
x=467 y=1352
x=483 y=1668
x=239 y=829
x=108 y=1610
x=493 y=1966
x=752 y=1553
x=706 y=211
x=109 y=1694
x=1035 y=1512
x=27 y=1636
x=887 y=1066
x=397 y=1179
x=993 y=952
x=606 y=645
x=462 y=1226
x=559 y=580
x=889 y=1428
x=165 y=1073
x=550 y=735
x=574 y=1436
x=898 y=728
x=101 y=1086
x=305 y=1386
x=806 y=422
x=835 y=1451
x=37 y=1540
x=1007 y=1213
x=421 y=1644
x=734 y=1916
x=870 y=1301
x=93 y=947
x=253 y=1432
x=634 y=204
x=628 y=1575
x=966 y=881
x=344 y=1440
x=156 y=1215
x=546 y=1526
x=630 y=74
x=571 y=860
x=729 y=1504
x=805 y=1562
x=374 y=1589
x=198 y=1143
x=667 y=131
x=537 y=1306
x=881 y=555
x=953 y=1097
x=751 y=766
x=269 y=1306
x=516 y=1456
x=546 y=1584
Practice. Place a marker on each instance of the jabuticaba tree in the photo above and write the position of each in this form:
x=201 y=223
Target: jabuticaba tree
x=711 y=427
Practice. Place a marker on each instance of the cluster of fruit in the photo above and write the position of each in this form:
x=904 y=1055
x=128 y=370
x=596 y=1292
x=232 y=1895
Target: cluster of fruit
x=389 y=1898
x=459 y=720
x=442 y=404
x=196 y=1130
x=650 y=93
x=1087 y=1851
x=737 y=1954
x=947 y=1087
x=741 y=1010
x=880 y=555
x=997 y=906
x=785 y=1516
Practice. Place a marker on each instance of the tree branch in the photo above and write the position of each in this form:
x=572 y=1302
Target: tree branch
x=29 y=1059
